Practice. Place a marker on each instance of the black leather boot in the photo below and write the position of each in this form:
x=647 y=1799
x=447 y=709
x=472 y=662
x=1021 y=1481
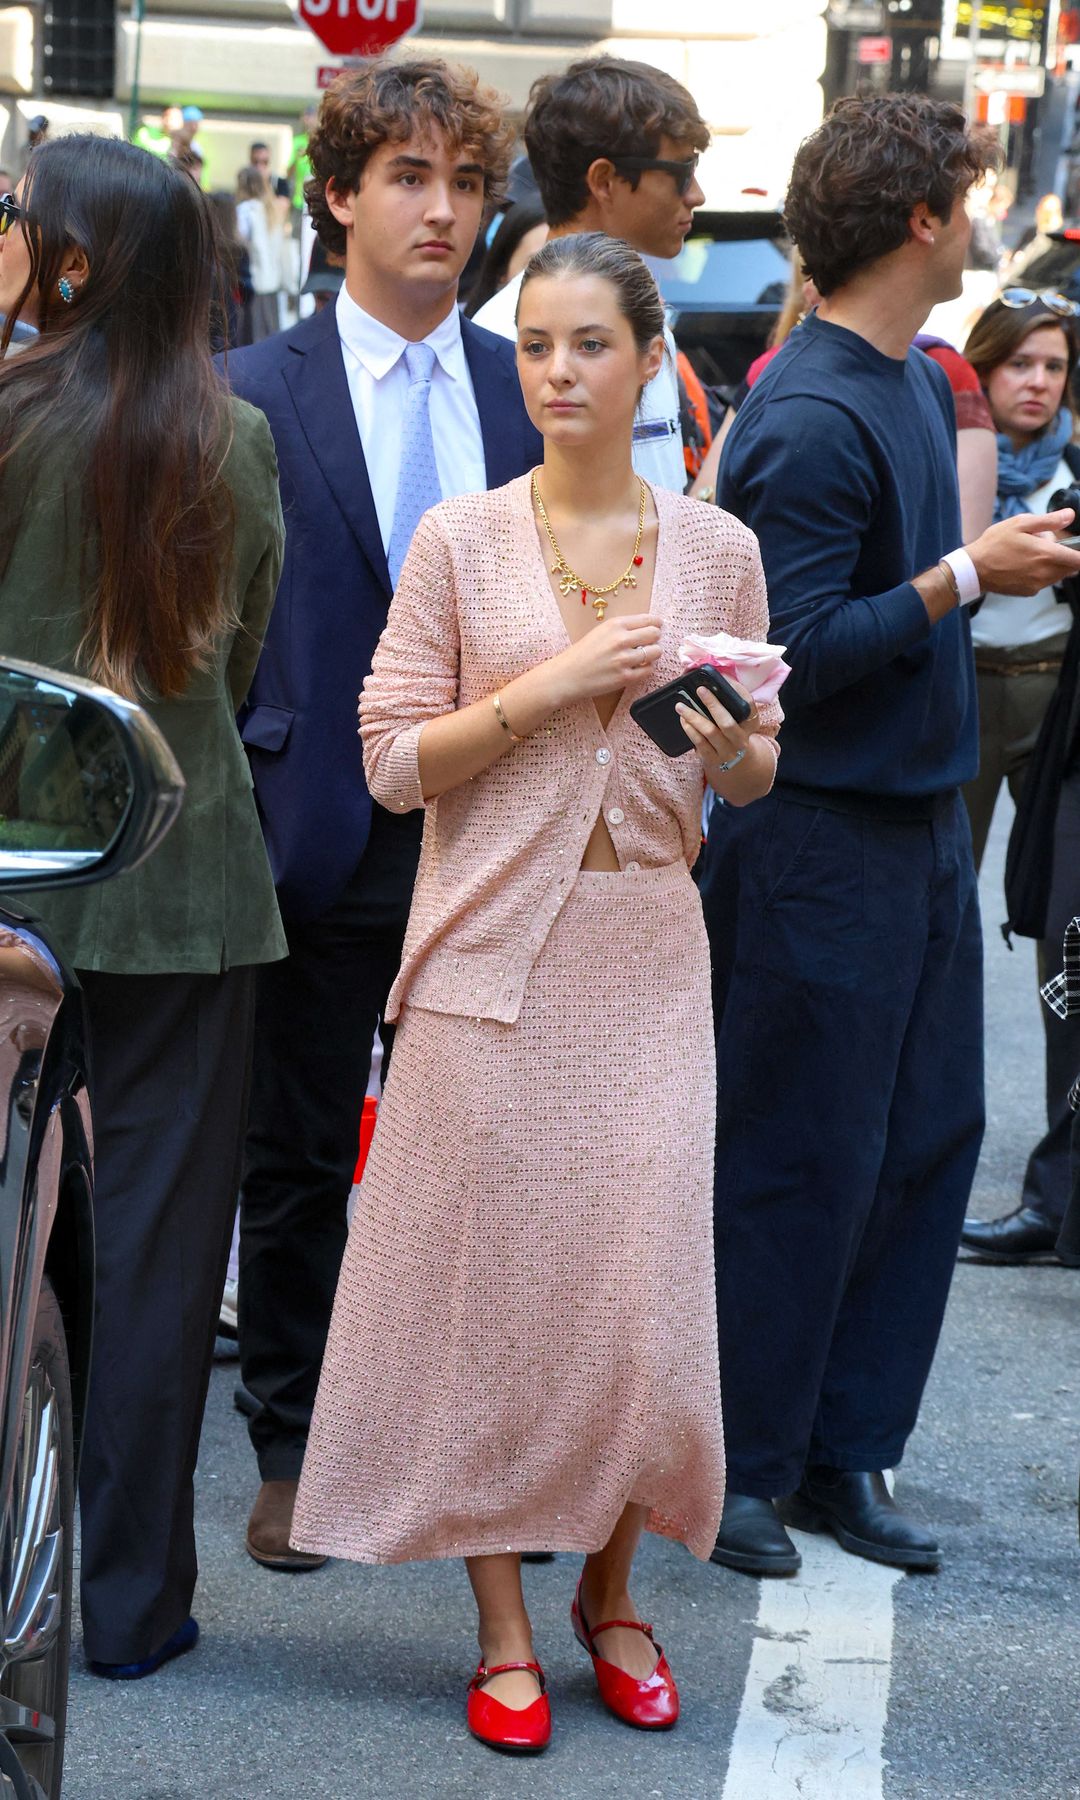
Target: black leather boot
x=752 y=1539
x=1020 y=1237
x=863 y=1517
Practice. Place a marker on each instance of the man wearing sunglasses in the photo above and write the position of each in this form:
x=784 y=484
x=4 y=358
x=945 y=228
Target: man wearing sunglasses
x=614 y=147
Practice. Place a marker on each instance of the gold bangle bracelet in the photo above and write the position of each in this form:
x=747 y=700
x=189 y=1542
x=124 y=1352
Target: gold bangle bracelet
x=950 y=575
x=496 y=701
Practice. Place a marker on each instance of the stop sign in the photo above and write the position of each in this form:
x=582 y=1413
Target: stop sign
x=360 y=27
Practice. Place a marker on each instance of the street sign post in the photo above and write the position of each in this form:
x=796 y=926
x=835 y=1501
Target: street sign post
x=360 y=27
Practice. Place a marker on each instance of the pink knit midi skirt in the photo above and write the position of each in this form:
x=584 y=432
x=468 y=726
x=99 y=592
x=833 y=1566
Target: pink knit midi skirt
x=524 y=1335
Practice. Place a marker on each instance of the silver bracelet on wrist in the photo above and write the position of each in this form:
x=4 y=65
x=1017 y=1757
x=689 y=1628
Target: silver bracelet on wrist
x=723 y=768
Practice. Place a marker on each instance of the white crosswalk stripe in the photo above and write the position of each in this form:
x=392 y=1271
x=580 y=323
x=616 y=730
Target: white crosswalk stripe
x=814 y=1706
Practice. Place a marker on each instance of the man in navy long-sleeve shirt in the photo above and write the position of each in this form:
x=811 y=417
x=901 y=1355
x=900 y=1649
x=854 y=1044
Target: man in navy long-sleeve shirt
x=844 y=463
x=843 y=909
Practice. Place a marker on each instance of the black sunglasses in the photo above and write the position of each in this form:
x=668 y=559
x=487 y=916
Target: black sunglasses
x=682 y=173
x=10 y=212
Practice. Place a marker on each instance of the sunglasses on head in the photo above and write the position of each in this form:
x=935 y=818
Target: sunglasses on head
x=1054 y=302
x=682 y=173
x=10 y=212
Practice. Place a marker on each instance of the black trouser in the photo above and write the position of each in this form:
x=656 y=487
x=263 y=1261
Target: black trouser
x=1068 y=1244
x=315 y=1021
x=848 y=992
x=171 y=1058
x=1048 y=1179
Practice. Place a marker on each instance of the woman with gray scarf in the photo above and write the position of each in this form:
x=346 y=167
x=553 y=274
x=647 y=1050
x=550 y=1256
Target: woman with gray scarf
x=1023 y=349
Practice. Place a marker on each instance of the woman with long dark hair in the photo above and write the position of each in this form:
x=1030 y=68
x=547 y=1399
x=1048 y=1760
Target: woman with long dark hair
x=235 y=289
x=142 y=543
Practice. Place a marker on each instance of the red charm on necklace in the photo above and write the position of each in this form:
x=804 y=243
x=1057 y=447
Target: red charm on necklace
x=584 y=595
x=638 y=560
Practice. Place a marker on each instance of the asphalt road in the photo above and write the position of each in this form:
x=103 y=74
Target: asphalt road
x=350 y=1682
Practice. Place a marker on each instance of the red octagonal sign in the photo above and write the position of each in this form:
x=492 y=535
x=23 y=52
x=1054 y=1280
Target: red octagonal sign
x=360 y=27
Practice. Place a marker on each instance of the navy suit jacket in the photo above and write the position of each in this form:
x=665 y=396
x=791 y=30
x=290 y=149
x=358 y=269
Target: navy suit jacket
x=299 y=721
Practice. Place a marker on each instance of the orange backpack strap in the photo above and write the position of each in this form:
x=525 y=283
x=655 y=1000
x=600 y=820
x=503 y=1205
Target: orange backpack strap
x=694 y=409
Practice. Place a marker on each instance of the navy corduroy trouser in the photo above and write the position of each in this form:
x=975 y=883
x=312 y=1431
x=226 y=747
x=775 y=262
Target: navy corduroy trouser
x=847 y=970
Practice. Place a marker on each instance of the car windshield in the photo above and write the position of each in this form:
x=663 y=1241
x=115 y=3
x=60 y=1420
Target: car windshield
x=714 y=276
x=1054 y=266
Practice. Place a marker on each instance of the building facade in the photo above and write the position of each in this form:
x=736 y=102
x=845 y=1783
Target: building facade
x=253 y=67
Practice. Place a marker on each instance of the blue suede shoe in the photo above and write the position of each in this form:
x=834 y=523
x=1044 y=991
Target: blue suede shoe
x=183 y=1639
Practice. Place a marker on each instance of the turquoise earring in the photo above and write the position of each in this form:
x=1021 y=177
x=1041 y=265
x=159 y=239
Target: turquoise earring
x=67 y=290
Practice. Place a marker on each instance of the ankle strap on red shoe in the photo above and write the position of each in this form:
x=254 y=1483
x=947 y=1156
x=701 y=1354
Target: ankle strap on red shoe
x=591 y=1631
x=627 y=1625
x=485 y=1673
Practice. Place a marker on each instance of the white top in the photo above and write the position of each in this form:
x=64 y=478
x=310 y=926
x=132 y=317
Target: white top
x=1013 y=621
x=378 y=380
x=265 y=246
x=658 y=448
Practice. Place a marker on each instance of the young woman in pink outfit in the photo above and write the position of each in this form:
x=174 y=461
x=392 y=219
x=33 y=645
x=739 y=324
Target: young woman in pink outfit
x=523 y=1349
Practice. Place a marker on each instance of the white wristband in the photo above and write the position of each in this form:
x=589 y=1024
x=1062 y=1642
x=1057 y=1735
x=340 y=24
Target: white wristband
x=968 y=584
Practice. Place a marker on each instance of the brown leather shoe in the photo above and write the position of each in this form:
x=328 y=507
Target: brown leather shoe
x=269 y=1527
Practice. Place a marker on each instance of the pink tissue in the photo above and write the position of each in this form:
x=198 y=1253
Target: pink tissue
x=760 y=668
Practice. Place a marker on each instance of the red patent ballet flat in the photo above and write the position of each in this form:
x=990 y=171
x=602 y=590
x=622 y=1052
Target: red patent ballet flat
x=520 y=1730
x=651 y=1704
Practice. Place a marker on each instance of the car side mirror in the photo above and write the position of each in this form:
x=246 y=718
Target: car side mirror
x=88 y=785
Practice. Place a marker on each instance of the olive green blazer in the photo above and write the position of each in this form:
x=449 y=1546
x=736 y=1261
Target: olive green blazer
x=204 y=901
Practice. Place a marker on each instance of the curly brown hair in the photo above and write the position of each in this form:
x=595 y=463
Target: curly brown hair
x=859 y=177
x=385 y=103
x=602 y=106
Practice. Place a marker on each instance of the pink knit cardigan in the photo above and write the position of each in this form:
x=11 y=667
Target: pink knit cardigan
x=473 y=608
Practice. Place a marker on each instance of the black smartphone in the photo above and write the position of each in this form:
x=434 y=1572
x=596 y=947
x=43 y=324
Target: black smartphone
x=656 y=714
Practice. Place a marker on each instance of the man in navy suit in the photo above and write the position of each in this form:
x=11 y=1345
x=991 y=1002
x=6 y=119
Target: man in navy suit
x=380 y=406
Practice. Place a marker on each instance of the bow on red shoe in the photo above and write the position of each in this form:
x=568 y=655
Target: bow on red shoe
x=520 y=1730
x=652 y=1703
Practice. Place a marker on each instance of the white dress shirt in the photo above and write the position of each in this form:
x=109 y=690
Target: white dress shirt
x=658 y=447
x=374 y=358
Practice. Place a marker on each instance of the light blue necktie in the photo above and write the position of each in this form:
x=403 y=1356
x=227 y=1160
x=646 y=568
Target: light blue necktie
x=418 y=477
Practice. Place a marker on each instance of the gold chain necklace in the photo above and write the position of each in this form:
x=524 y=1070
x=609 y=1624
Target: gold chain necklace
x=568 y=581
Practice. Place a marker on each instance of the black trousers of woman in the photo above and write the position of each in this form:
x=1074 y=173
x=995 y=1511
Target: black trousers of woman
x=171 y=1057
